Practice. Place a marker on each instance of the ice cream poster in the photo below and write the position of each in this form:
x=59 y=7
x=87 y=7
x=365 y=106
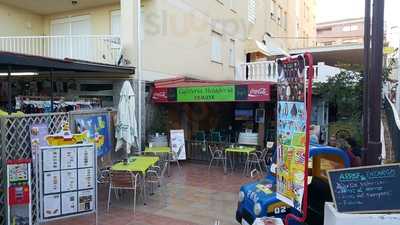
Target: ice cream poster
x=97 y=131
x=291 y=131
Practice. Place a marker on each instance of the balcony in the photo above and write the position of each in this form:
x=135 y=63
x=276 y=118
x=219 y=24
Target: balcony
x=94 y=48
x=268 y=71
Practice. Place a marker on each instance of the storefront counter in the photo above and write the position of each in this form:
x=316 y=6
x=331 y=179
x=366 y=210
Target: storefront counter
x=248 y=139
x=333 y=217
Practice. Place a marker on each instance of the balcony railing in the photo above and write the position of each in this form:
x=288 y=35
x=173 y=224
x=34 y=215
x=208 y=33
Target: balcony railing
x=94 y=48
x=258 y=71
x=268 y=71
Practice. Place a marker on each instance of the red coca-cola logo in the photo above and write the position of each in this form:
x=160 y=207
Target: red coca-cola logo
x=255 y=92
x=160 y=95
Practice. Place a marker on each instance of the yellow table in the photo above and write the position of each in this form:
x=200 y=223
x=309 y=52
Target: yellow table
x=241 y=150
x=246 y=150
x=139 y=164
x=157 y=150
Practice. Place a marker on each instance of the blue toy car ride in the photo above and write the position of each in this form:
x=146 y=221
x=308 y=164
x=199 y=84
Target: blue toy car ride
x=258 y=199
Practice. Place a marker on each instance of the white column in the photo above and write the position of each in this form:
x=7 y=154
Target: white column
x=131 y=49
x=398 y=87
x=129 y=30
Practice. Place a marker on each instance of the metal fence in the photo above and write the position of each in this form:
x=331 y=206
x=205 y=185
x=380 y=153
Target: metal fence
x=15 y=143
x=394 y=127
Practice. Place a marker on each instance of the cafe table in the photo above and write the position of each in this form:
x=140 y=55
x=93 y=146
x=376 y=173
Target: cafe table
x=238 y=150
x=137 y=164
x=157 y=150
x=162 y=152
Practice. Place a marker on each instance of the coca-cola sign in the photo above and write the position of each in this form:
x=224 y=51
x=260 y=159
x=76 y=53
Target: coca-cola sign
x=259 y=92
x=160 y=95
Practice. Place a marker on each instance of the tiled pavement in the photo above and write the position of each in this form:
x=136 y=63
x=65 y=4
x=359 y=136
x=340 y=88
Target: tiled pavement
x=193 y=195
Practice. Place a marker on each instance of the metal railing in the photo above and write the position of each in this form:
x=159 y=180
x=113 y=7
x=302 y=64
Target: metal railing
x=394 y=127
x=94 y=48
x=268 y=71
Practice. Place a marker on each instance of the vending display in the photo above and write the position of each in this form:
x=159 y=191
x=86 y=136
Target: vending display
x=19 y=192
x=67 y=181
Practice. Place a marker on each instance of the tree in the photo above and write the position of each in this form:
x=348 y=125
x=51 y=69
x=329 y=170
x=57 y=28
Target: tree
x=343 y=92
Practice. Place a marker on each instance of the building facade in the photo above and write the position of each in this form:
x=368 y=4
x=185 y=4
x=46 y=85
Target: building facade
x=197 y=39
x=340 y=32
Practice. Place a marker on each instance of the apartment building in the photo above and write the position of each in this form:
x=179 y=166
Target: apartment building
x=198 y=39
x=339 y=32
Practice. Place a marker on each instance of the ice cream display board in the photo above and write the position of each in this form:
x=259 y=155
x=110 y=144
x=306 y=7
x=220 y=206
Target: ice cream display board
x=67 y=181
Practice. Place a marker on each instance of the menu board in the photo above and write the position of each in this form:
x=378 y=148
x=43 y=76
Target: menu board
x=69 y=203
x=51 y=182
x=178 y=143
x=51 y=205
x=366 y=189
x=68 y=156
x=67 y=180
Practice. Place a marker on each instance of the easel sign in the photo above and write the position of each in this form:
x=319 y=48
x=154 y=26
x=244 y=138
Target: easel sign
x=370 y=189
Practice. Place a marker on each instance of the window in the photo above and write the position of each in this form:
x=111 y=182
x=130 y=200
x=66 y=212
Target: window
x=216 y=47
x=75 y=48
x=115 y=27
x=116 y=22
x=252 y=11
x=350 y=28
x=232 y=52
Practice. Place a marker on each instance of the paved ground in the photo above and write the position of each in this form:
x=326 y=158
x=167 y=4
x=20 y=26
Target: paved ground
x=194 y=195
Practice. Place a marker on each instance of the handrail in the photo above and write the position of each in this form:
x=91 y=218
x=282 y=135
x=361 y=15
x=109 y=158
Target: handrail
x=393 y=125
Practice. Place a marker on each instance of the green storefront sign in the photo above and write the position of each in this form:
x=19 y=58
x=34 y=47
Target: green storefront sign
x=206 y=94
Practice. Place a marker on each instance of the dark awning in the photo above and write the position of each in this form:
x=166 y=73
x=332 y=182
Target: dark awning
x=29 y=63
x=191 y=90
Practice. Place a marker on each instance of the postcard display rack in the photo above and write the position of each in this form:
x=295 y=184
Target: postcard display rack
x=67 y=181
x=19 y=192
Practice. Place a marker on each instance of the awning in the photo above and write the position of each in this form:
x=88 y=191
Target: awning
x=336 y=54
x=190 y=90
x=269 y=49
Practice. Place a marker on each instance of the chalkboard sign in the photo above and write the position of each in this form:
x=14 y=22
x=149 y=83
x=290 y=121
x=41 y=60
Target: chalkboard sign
x=371 y=189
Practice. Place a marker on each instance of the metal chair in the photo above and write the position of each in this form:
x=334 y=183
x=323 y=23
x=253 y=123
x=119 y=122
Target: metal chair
x=156 y=177
x=216 y=154
x=174 y=157
x=123 y=180
x=103 y=175
x=256 y=159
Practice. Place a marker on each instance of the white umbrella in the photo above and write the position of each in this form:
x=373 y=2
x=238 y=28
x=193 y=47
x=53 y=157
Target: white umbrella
x=126 y=128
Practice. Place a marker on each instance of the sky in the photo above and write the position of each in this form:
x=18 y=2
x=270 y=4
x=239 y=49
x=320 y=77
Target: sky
x=328 y=10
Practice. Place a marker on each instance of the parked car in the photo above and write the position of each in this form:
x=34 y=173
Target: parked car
x=258 y=199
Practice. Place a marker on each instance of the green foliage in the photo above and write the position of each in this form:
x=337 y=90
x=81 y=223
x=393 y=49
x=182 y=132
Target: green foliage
x=343 y=92
x=158 y=123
